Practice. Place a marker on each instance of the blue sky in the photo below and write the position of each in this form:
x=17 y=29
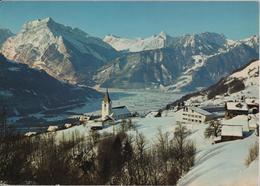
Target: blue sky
x=139 y=19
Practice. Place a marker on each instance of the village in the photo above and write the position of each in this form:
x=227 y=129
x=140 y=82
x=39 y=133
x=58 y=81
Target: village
x=233 y=120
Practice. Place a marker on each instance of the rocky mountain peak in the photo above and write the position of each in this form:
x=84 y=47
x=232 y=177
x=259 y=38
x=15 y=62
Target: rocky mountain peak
x=62 y=51
x=163 y=34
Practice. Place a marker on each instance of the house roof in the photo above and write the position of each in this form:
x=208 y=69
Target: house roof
x=240 y=120
x=237 y=120
x=201 y=111
x=232 y=130
x=241 y=106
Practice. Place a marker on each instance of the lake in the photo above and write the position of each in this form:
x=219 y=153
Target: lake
x=135 y=100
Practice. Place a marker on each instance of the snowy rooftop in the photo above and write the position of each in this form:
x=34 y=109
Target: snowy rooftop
x=237 y=106
x=240 y=120
x=232 y=130
x=201 y=111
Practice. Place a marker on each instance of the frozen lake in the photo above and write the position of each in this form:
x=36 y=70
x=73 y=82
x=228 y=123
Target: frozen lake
x=141 y=101
x=135 y=100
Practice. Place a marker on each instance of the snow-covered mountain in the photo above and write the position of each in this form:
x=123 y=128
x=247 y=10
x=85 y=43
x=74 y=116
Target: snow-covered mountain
x=63 y=52
x=184 y=64
x=242 y=82
x=25 y=90
x=4 y=35
x=203 y=42
x=173 y=63
x=161 y=40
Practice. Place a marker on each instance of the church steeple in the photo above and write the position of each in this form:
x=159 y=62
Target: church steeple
x=106 y=106
x=107 y=98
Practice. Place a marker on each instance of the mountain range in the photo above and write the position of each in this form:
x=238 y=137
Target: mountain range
x=178 y=64
x=175 y=63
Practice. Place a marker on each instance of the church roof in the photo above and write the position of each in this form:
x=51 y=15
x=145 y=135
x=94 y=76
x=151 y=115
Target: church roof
x=117 y=111
x=106 y=97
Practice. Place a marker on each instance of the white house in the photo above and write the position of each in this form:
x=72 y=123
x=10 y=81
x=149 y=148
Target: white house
x=235 y=108
x=117 y=113
x=194 y=115
x=231 y=132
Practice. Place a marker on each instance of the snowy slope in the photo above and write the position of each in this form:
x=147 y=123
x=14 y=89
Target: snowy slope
x=221 y=164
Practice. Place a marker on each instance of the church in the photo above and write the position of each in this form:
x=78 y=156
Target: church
x=114 y=113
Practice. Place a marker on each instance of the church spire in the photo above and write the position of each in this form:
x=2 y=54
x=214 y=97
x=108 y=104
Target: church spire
x=107 y=98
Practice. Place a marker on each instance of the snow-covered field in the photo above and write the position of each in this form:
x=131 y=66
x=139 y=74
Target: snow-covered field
x=223 y=164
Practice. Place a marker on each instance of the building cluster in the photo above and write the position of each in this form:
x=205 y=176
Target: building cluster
x=237 y=118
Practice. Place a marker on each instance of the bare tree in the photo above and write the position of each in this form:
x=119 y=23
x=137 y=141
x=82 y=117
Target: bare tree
x=213 y=129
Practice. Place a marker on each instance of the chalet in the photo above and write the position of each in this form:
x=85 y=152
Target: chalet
x=235 y=108
x=231 y=132
x=116 y=113
x=194 y=114
x=240 y=120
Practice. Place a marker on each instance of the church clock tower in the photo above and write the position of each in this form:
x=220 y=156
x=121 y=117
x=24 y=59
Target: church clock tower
x=106 y=106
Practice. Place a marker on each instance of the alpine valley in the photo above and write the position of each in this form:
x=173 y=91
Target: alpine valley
x=71 y=59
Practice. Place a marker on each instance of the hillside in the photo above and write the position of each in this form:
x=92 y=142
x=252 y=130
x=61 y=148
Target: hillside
x=242 y=82
x=25 y=90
